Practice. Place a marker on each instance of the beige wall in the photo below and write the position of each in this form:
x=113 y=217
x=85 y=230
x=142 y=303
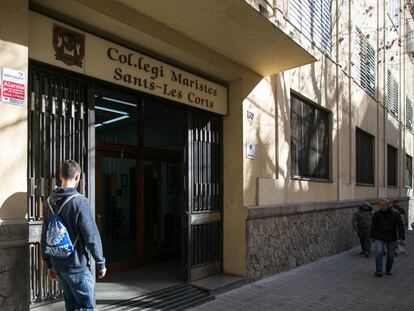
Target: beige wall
x=13 y=119
x=328 y=82
x=157 y=40
x=332 y=83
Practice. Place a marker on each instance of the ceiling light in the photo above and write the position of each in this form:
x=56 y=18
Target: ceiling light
x=111 y=110
x=119 y=101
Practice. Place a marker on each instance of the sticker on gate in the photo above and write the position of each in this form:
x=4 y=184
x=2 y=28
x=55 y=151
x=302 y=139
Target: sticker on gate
x=12 y=87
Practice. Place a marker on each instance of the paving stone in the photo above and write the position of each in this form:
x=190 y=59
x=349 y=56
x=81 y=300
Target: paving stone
x=342 y=282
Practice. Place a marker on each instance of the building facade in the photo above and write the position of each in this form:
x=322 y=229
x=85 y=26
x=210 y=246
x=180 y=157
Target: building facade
x=231 y=136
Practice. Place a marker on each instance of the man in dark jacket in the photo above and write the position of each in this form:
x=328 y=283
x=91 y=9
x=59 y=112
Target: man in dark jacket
x=74 y=272
x=361 y=222
x=387 y=228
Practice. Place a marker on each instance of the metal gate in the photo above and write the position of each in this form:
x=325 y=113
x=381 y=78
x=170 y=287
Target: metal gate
x=204 y=194
x=57 y=130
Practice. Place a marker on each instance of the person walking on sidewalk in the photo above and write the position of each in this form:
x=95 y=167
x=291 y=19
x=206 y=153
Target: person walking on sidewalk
x=400 y=249
x=387 y=228
x=361 y=222
x=73 y=211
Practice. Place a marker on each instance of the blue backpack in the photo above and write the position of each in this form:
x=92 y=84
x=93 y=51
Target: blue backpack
x=58 y=243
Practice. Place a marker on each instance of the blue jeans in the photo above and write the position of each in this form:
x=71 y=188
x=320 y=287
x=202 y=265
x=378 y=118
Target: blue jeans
x=77 y=290
x=379 y=253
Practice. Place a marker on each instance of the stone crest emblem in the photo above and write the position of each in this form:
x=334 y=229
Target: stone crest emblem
x=69 y=46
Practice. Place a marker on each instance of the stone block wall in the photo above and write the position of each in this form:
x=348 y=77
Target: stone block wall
x=14 y=266
x=295 y=237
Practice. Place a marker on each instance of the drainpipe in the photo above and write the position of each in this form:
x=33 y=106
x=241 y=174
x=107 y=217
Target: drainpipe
x=378 y=105
x=351 y=143
x=402 y=123
x=384 y=104
x=338 y=133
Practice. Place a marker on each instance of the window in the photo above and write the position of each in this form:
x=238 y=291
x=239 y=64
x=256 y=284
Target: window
x=310 y=135
x=408 y=171
x=393 y=12
x=408 y=114
x=365 y=157
x=313 y=18
x=392 y=165
x=409 y=40
x=392 y=95
x=364 y=62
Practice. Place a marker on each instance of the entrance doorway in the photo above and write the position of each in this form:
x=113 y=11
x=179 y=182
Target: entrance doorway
x=151 y=169
x=139 y=152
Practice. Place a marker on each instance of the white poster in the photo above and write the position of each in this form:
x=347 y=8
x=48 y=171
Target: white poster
x=13 y=86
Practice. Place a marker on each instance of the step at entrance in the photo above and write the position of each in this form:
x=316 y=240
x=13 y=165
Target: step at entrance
x=179 y=297
x=219 y=283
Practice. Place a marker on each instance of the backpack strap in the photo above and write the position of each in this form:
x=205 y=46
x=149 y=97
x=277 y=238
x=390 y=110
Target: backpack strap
x=67 y=201
x=64 y=203
x=60 y=209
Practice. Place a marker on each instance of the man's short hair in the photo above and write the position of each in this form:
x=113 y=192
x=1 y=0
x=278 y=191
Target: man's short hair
x=385 y=201
x=69 y=169
x=395 y=201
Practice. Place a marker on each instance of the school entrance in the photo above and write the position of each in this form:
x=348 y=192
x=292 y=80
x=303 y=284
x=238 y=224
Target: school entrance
x=151 y=169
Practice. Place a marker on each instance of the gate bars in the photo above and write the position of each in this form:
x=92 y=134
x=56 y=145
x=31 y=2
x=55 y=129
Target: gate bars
x=204 y=193
x=57 y=131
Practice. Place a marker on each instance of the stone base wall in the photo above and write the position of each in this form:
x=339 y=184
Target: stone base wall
x=14 y=267
x=296 y=235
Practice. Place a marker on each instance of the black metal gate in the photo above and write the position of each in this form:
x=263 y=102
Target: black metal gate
x=57 y=130
x=204 y=194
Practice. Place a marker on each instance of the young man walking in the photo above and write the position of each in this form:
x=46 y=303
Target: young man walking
x=387 y=228
x=73 y=272
x=361 y=222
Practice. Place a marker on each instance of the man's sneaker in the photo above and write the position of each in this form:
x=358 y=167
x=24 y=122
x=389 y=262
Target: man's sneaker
x=378 y=274
x=388 y=273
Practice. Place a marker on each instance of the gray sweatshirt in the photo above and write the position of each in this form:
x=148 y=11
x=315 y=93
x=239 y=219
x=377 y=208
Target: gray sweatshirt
x=362 y=220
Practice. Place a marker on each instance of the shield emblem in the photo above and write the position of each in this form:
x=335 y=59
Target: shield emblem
x=69 y=46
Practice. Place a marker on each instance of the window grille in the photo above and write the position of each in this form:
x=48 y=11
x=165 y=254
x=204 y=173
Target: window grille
x=365 y=157
x=310 y=136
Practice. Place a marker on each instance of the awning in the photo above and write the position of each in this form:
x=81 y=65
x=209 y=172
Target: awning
x=232 y=28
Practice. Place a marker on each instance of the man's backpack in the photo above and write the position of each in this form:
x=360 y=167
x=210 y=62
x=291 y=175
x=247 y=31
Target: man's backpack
x=58 y=243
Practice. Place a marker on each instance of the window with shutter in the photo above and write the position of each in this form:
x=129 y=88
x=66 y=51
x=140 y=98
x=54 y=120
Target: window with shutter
x=364 y=62
x=392 y=165
x=408 y=114
x=310 y=146
x=393 y=12
x=409 y=40
x=392 y=94
x=408 y=171
x=313 y=18
x=365 y=157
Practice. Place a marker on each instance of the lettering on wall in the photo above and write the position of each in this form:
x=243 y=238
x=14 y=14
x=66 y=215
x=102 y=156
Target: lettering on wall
x=145 y=74
x=84 y=53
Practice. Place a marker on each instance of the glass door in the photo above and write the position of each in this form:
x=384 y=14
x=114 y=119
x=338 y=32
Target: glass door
x=116 y=209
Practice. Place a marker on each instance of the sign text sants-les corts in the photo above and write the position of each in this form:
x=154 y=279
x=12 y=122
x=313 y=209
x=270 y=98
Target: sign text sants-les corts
x=152 y=72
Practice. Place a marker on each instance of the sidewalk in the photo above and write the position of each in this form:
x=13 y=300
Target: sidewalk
x=341 y=282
